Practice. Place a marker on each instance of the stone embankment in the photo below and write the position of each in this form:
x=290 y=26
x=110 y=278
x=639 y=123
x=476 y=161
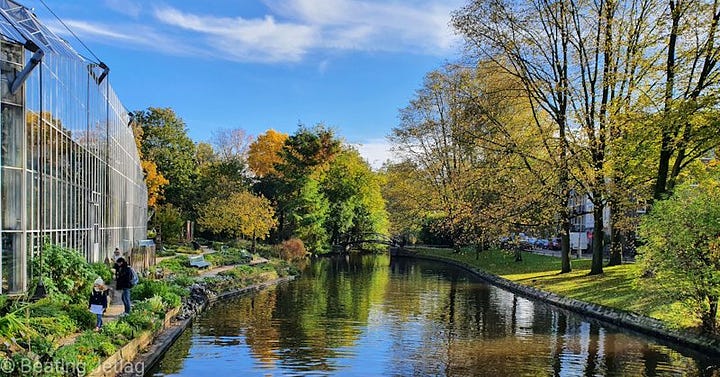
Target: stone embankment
x=628 y=320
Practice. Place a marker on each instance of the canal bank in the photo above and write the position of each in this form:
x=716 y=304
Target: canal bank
x=135 y=358
x=624 y=319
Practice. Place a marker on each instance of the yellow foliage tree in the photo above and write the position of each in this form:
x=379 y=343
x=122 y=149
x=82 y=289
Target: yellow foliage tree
x=154 y=180
x=264 y=152
x=240 y=214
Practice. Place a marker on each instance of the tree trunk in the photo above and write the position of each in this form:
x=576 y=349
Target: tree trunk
x=616 y=239
x=254 y=241
x=597 y=244
x=666 y=148
x=709 y=318
x=565 y=246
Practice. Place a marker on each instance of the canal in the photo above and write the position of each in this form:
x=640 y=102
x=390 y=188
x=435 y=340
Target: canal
x=373 y=316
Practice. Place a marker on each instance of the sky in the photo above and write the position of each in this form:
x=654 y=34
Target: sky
x=260 y=64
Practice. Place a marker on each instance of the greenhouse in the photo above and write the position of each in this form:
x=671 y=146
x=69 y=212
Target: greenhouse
x=70 y=170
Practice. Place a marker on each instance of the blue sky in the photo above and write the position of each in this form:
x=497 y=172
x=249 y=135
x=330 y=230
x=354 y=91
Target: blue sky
x=259 y=64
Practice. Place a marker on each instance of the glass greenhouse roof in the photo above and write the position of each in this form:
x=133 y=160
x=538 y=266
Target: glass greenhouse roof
x=19 y=24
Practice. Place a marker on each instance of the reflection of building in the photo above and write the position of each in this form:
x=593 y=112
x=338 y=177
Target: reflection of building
x=70 y=171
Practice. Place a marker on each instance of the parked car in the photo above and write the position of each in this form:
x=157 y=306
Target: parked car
x=554 y=244
x=542 y=243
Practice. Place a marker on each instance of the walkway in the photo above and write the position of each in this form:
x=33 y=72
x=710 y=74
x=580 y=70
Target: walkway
x=116 y=308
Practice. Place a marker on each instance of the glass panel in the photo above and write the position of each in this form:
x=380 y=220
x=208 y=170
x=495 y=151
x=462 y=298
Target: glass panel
x=11 y=198
x=12 y=135
x=11 y=262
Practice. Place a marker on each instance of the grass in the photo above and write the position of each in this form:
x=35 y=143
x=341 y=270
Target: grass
x=617 y=287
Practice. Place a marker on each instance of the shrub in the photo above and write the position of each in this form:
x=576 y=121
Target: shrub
x=65 y=272
x=58 y=327
x=183 y=281
x=82 y=317
x=682 y=249
x=119 y=331
x=292 y=249
x=140 y=317
x=178 y=265
x=102 y=270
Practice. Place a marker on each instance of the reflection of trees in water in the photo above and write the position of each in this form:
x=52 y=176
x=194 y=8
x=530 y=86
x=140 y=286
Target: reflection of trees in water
x=307 y=322
x=173 y=360
x=431 y=319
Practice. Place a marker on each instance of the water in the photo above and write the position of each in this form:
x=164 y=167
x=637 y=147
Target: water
x=368 y=316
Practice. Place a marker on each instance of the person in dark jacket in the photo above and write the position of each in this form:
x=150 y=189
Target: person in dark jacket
x=98 y=301
x=122 y=282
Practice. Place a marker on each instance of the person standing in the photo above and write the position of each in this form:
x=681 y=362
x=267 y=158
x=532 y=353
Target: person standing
x=98 y=301
x=123 y=275
x=116 y=254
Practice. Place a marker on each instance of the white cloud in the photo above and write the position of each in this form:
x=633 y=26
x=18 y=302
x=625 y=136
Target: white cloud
x=126 y=7
x=376 y=152
x=242 y=39
x=376 y=25
x=289 y=31
x=131 y=35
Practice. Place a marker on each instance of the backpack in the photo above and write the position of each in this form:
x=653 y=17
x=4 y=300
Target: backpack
x=134 y=280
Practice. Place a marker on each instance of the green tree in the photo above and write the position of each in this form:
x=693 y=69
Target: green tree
x=308 y=215
x=169 y=222
x=302 y=208
x=356 y=203
x=166 y=143
x=682 y=247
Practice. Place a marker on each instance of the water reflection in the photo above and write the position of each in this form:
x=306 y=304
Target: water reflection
x=367 y=315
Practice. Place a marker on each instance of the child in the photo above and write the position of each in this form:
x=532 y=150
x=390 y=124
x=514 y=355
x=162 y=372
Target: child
x=98 y=301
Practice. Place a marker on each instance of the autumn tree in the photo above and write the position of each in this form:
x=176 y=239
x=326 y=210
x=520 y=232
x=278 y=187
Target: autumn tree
x=154 y=180
x=264 y=152
x=688 y=120
x=242 y=214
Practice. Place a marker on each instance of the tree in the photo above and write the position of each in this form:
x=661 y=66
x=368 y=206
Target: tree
x=231 y=143
x=691 y=79
x=302 y=207
x=682 y=247
x=308 y=212
x=154 y=180
x=353 y=192
x=264 y=152
x=242 y=214
x=169 y=221
x=166 y=143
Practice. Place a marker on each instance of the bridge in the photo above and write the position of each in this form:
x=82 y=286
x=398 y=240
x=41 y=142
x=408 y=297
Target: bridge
x=362 y=238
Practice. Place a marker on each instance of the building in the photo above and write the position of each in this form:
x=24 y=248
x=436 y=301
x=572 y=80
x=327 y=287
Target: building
x=583 y=221
x=70 y=171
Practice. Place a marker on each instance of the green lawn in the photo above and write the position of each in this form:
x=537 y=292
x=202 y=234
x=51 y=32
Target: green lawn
x=616 y=287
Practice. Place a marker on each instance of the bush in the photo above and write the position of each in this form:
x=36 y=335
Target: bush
x=292 y=249
x=178 y=265
x=682 y=250
x=141 y=317
x=82 y=317
x=57 y=327
x=65 y=272
x=119 y=331
x=183 y=281
x=103 y=271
